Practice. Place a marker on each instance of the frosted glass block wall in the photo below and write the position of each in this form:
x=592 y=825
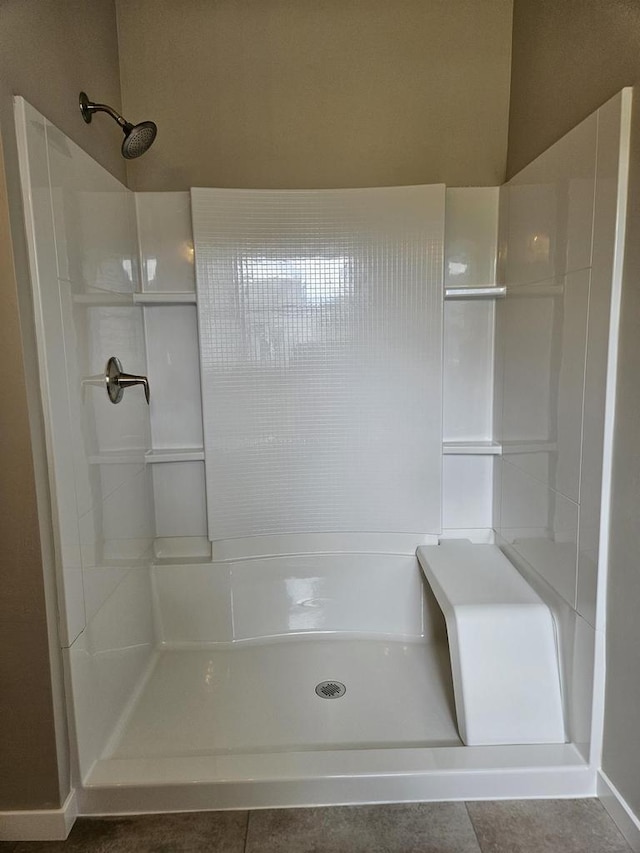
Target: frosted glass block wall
x=320 y=318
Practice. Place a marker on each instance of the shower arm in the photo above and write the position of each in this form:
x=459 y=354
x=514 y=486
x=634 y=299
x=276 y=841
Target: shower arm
x=88 y=108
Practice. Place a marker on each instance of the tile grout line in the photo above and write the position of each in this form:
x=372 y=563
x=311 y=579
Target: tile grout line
x=473 y=826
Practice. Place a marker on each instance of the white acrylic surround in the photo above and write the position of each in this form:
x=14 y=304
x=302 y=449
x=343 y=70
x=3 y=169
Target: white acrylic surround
x=320 y=317
x=314 y=777
x=83 y=263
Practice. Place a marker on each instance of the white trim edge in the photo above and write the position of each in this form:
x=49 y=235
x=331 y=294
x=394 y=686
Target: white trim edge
x=40 y=825
x=619 y=810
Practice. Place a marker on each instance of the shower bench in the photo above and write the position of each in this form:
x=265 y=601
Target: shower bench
x=502 y=644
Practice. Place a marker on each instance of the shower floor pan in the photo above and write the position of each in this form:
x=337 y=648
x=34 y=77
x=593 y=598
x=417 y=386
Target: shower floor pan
x=261 y=698
x=243 y=727
x=236 y=722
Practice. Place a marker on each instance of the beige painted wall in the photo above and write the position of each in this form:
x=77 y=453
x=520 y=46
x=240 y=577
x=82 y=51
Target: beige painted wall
x=27 y=724
x=52 y=49
x=317 y=93
x=621 y=754
x=569 y=57
x=48 y=50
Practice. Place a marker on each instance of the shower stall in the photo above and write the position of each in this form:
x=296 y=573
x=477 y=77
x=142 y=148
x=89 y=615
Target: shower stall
x=338 y=379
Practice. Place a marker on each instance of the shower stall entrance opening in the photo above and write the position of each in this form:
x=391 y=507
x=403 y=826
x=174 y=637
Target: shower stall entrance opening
x=336 y=380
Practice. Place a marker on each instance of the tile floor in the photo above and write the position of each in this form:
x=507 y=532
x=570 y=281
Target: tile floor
x=532 y=826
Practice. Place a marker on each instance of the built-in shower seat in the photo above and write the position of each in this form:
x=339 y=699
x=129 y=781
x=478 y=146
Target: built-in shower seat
x=502 y=645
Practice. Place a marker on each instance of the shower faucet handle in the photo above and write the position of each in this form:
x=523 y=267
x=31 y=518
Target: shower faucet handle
x=117 y=380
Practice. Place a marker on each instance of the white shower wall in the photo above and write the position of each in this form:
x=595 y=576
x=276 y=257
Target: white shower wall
x=166 y=246
x=81 y=231
x=320 y=323
x=558 y=234
x=113 y=275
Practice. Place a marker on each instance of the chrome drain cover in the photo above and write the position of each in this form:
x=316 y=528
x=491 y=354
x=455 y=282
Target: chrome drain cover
x=330 y=689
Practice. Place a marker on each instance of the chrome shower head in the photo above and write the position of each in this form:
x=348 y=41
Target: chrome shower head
x=138 y=138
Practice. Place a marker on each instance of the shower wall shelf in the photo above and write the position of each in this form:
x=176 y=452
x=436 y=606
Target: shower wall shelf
x=175 y=454
x=490 y=292
x=471 y=448
x=189 y=298
x=140 y=457
x=104 y=299
x=530 y=447
x=165 y=298
x=118 y=457
x=196 y=454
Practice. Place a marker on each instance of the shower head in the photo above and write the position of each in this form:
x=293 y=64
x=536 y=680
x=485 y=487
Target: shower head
x=138 y=138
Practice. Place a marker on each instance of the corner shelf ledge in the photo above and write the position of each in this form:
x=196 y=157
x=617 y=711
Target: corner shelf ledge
x=492 y=291
x=471 y=448
x=117 y=457
x=165 y=298
x=104 y=299
x=175 y=454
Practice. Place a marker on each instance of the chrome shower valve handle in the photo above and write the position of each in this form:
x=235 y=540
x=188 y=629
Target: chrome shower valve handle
x=117 y=380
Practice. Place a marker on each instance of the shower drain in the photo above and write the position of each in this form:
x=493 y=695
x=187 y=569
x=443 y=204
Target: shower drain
x=330 y=689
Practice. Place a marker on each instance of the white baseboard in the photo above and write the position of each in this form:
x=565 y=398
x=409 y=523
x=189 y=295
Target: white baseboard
x=40 y=825
x=618 y=808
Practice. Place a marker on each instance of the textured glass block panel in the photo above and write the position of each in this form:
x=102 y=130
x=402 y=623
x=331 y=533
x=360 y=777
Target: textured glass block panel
x=320 y=318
